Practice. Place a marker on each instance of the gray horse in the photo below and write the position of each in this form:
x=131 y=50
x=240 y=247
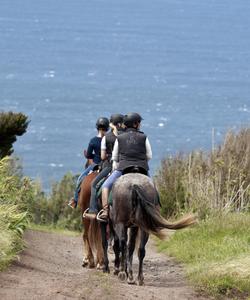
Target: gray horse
x=136 y=206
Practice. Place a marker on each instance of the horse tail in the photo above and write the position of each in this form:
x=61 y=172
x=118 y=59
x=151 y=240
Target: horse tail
x=94 y=236
x=148 y=217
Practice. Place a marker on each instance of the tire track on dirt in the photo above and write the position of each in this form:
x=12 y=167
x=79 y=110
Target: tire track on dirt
x=50 y=268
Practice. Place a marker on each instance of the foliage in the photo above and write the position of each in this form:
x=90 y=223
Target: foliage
x=53 y=210
x=11 y=125
x=204 y=182
x=22 y=201
x=15 y=207
x=216 y=253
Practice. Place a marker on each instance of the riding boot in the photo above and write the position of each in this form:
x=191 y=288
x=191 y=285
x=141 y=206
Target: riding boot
x=105 y=208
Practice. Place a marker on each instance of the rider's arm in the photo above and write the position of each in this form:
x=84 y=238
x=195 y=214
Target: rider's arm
x=115 y=152
x=148 y=149
x=115 y=155
x=103 y=149
x=90 y=154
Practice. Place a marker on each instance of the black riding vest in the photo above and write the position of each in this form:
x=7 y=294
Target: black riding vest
x=132 y=149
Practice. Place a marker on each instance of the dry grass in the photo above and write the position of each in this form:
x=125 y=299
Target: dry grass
x=208 y=182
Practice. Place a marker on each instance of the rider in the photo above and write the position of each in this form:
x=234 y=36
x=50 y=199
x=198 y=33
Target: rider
x=107 y=144
x=131 y=148
x=93 y=155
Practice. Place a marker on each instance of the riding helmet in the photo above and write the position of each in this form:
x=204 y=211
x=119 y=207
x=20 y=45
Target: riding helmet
x=102 y=123
x=131 y=118
x=116 y=119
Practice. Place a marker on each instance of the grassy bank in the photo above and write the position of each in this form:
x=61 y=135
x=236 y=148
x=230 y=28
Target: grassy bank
x=216 y=186
x=205 y=182
x=12 y=224
x=15 y=197
x=216 y=254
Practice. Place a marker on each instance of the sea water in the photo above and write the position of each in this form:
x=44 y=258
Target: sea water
x=183 y=65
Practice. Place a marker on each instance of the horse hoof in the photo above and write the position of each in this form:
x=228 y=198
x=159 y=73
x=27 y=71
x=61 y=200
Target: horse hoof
x=122 y=276
x=85 y=263
x=99 y=267
x=116 y=271
x=140 y=282
x=106 y=270
x=131 y=281
x=91 y=266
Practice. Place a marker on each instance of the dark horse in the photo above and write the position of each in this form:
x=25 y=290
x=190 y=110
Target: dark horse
x=135 y=206
x=91 y=231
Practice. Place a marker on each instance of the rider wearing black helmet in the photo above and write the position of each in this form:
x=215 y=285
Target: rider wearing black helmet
x=132 y=119
x=132 y=148
x=108 y=141
x=93 y=155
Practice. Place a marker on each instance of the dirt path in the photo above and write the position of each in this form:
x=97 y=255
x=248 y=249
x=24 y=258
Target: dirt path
x=50 y=268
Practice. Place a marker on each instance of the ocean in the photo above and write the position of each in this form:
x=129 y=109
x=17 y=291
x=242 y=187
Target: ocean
x=183 y=65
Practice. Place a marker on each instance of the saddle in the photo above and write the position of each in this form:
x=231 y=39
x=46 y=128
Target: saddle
x=130 y=169
x=135 y=169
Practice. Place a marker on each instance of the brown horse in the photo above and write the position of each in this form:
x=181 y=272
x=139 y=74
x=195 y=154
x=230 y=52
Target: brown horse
x=91 y=231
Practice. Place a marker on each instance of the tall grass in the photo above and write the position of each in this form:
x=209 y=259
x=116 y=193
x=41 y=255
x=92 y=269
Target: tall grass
x=208 y=182
x=216 y=185
x=15 y=206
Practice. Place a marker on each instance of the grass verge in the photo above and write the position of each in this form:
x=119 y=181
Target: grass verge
x=216 y=254
x=53 y=229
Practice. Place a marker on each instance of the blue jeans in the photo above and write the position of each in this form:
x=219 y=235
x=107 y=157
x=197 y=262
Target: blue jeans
x=80 y=179
x=93 y=205
x=111 y=179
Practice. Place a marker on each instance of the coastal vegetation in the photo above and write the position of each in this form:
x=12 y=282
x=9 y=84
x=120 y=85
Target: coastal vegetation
x=11 y=125
x=16 y=195
x=216 y=186
x=16 y=201
x=22 y=201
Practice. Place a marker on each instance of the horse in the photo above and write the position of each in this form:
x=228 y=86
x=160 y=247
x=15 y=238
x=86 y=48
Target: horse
x=91 y=228
x=135 y=206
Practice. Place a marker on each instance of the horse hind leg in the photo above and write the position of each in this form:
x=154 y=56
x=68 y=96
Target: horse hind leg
x=141 y=255
x=105 y=247
x=99 y=253
x=121 y=232
x=131 y=247
x=88 y=257
x=116 y=249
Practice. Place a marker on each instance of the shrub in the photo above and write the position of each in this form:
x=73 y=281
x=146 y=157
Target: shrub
x=204 y=182
x=15 y=196
x=11 y=125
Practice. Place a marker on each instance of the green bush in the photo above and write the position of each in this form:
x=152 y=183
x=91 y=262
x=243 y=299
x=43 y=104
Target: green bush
x=53 y=210
x=16 y=196
x=11 y=125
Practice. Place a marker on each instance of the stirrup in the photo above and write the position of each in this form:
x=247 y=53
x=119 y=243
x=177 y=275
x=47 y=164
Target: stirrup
x=85 y=215
x=98 y=217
